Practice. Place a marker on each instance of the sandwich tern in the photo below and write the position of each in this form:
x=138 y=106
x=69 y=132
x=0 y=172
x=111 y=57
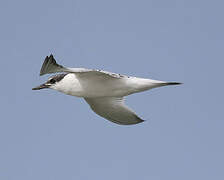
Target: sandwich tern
x=103 y=91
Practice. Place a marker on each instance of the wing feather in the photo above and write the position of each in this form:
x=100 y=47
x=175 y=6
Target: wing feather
x=51 y=66
x=113 y=109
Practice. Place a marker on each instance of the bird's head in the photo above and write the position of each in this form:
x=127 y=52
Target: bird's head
x=52 y=82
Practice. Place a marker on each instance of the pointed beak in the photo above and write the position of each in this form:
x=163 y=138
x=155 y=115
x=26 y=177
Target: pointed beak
x=42 y=86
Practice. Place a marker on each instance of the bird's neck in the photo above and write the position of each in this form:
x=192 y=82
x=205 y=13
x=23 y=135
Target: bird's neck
x=69 y=85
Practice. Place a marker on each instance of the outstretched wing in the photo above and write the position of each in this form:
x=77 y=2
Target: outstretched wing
x=113 y=109
x=50 y=66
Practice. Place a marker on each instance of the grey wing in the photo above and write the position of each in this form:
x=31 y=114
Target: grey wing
x=113 y=109
x=50 y=66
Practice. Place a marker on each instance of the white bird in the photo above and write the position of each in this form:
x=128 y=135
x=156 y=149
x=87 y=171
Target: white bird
x=102 y=90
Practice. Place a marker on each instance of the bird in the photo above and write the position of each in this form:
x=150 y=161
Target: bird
x=104 y=91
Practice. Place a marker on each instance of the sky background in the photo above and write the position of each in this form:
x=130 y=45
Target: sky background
x=51 y=136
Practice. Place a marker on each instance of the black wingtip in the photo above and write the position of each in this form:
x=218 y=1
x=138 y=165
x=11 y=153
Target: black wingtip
x=46 y=63
x=140 y=121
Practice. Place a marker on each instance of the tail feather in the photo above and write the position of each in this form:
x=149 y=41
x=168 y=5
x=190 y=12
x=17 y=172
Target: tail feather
x=173 y=83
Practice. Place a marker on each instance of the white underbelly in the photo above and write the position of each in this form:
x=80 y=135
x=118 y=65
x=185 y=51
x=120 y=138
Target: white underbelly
x=101 y=87
x=114 y=88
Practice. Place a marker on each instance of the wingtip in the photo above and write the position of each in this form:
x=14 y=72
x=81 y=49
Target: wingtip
x=41 y=74
x=140 y=121
x=44 y=64
x=50 y=66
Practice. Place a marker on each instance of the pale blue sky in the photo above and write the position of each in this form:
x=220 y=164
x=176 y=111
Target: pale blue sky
x=50 y=136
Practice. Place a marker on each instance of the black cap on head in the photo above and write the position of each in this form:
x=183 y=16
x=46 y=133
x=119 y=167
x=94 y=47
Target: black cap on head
x=57 y=77
x=51 y=80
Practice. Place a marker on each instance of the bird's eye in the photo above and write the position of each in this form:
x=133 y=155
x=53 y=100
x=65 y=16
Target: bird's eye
x=52 y=81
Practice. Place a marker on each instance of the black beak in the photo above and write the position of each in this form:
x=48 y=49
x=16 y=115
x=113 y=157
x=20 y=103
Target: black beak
x=42 y=86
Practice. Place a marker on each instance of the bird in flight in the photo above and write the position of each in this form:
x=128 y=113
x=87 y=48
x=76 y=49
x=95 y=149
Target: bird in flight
x=103 y=91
